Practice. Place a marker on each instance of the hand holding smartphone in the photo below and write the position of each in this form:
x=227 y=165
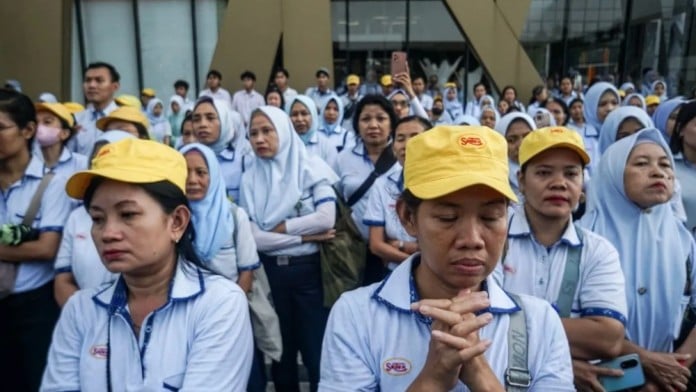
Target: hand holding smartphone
x=633 y=373
x=399 y=63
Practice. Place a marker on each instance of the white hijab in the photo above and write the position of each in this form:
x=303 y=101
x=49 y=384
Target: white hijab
x=271 y=188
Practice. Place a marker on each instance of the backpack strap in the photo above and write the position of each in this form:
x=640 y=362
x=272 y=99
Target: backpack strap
x=571 y=276
x=35 y=202
x=385 y=161
x=517 y=377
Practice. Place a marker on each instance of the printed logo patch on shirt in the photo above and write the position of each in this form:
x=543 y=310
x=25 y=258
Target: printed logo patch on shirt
x=397 y=366
x=99 y=351
x=509 y=269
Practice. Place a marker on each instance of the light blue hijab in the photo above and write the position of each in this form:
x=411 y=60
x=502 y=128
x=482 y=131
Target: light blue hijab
x=592 y=98
x=627 y=100
x=271 y=188
x=453 y=107
x=150 y=110
x=211 y=216
x=327 y=128
x=662 y=113
x=611 y=125
x=653 y=247
x=662 y=97
x=226 y=126
x=501 y=127
x=312 y=108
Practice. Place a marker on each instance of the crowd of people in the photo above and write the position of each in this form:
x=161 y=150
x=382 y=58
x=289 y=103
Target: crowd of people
x=151 y=246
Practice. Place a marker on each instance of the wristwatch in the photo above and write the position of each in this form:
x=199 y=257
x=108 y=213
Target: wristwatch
x=401 y=245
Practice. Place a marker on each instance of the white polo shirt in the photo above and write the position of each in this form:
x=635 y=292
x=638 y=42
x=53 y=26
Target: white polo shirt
x=387 y=349
x=232 y=165
x=78 y=255
x=200 y=340
x=83 y=141
x=51 y=217
x=238 y=254
x=353 y=167
x=319 y=145
x=381 y=206
x=533 y=269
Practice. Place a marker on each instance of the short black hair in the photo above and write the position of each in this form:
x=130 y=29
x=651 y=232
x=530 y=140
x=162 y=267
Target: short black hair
x=560 y=103
x=115 y=77
x=181 y=83
x=247 y=74
x=418 y=76
x=19 y=108
x=374 y=99
x=272 y=88
x=282 y=70
x=425 y=123
x=214 y=72
x=481 y=84
x=687 y=112
x=510 y=87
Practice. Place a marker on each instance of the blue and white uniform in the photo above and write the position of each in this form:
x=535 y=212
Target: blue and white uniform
x=199 y=340
x=593 y=125
x=387 y=350
x=53 y=212
x=83 y=141
x=337 y=135
x=353 y=168
x=653 y=246
x=533 y=269
x=316 y=143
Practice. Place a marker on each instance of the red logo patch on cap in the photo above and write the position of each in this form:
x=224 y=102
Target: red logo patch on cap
x=557 y=130
x=103 y=152
x=470 y=141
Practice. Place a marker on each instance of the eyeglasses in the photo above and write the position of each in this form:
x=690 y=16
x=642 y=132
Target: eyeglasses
x=401 y=103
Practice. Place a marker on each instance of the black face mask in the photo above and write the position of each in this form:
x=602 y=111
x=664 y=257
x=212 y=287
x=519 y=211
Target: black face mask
x=437 y=111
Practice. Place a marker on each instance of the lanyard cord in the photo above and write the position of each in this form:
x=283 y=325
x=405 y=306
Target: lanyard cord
x=108 y=355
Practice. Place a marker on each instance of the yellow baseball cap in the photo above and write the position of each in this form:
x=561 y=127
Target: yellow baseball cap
x=551 y=137
x=352 y=79
x=132 y=161
x=58 y=109
x=449 y=158
x=124 y=113
x=148 y=92
x=450 y=85
x=129 y=100
x=386 y=80
x=73 y=107
x=652 y=100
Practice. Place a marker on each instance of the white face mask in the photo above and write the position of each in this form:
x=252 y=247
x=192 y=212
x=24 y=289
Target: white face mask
x=47 y=136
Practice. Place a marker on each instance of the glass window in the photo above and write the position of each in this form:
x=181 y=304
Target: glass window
x=166 y=44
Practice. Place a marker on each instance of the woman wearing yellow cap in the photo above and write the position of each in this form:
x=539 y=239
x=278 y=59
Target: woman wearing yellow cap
x=55 y=127
x=168 y=322
x=439 y=321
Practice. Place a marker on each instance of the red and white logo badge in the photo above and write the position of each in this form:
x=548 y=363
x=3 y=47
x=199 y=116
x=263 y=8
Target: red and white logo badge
x=99 y=351
x=397 y=366
x=470 y=141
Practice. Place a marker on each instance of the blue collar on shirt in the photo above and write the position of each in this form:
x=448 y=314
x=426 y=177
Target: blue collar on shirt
x=392 y=292
x=65 y=155
x=397 y=176
x=360 y=150
x=187 y=284
x=228 y=153
x=519 y=227
x=35 y=168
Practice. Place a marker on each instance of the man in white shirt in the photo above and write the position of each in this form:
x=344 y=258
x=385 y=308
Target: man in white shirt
x=321 y=91
x=425 y=99
x=472 y=107
x=100 y=83
x=215 y=90
x=280 y=78
x=350 y=99
x=181 y=88
x=247 y=100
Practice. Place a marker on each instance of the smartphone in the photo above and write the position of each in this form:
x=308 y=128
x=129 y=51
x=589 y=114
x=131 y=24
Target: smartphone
x=399 y=63
x=633 y=373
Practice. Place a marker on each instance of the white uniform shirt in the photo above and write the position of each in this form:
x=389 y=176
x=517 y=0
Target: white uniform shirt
x=245 y=103
x=353 y=167
x=374 y=341
x=220 y=94
x=381 y=206
x=83 y=141
x=339 y=138
x=78 y=255
x=319 y=145
x=232 y=165
x=427 y=101
x=200 y=340
x=240 y=254
x=532 y=269
x=51 y=217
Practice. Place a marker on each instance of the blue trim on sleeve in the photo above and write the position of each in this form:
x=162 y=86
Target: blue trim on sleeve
x=603 y=312
x=63 y=270
x=368 y=222
x=325 y=200
x=250 y=267
x=55 y=229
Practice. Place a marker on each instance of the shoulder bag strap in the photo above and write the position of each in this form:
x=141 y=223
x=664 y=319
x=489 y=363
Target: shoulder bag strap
x=517 y=377
x=571 y=276
x=35 y=203
x=385 y=162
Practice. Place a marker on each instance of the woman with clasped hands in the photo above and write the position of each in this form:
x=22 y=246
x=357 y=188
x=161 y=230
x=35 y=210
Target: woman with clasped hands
x=439 y=322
